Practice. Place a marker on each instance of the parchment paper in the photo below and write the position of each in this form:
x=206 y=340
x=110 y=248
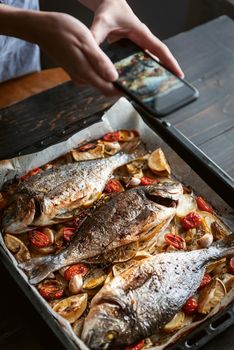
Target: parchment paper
x=122 y=115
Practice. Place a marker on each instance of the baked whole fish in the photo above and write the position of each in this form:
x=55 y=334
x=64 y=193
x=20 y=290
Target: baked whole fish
x=123 y=219
x=47 y=198
x=141 y=300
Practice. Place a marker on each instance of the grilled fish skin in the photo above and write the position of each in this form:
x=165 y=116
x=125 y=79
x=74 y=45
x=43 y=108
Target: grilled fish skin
x=141 y=300
x=122 y=220
x=47 y=197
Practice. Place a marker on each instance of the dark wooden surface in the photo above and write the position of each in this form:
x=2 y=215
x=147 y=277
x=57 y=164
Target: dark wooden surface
x=47 y=117
x=207 y=57
x=18 y=89
x=206 y=54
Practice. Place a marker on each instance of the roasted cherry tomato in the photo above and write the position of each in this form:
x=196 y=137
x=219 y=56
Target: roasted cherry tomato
x=68 y=232
x=31 y=173
x=51 y=289
x=231 y=265
x=136 y=346
x=145 y=181
x=78 y=269
x=87 y=147
x=190 y=307
x=206 y=279
x=202 y=205
x=191 y=220
x=113 y=186
x=38 y=239
x=175 y=240
x=111 y=136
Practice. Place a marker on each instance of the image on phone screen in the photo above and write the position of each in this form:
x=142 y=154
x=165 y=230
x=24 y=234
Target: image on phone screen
x=152 y=85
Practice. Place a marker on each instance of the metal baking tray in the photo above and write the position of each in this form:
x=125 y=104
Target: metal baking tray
x=208 y=330
x=128 y=118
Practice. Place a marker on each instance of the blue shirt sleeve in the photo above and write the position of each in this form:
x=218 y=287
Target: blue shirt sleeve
x=18 y=57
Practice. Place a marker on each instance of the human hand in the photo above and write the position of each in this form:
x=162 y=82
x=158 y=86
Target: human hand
x=71 y=44
x=114 y=20
x=68 y=41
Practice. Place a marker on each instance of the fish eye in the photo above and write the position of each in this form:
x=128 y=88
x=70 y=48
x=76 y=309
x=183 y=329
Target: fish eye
x=111 y=335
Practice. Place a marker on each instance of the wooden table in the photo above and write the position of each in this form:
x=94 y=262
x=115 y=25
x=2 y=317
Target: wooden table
x=206 y=54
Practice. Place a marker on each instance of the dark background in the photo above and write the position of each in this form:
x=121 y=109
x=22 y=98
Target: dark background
x=165 y=18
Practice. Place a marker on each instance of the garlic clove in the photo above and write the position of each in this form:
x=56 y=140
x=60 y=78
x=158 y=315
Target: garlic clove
x=134 y=182
x=205 y=241
x=75 y=284
x=49 y=233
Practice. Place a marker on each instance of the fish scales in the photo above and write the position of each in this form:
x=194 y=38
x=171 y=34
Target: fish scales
x=123 y=219
x=141 y=300
x=44 y=198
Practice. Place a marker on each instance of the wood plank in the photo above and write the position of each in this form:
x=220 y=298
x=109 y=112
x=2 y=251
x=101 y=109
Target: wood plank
x=207 y=54
x=196 y=48
x=214 y=88
x=18 y=89
x=47 y=116
x=210 y=122
x=220 y=149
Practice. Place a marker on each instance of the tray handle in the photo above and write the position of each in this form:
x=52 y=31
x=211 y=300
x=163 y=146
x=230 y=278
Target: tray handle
x=208 y=331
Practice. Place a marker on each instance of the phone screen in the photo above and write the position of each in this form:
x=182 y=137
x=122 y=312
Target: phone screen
x=150 y=83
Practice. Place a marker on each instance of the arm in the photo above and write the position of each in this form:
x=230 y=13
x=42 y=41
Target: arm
x=115 y=19
x=68 y=41
x=74 y=47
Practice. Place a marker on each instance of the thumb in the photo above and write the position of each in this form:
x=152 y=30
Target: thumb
x=99 y=29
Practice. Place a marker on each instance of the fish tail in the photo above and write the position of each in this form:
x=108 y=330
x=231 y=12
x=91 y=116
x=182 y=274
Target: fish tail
x=226 y=246
x=39 y=268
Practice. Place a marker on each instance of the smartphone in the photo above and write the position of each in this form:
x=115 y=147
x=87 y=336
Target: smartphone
x=148 y=82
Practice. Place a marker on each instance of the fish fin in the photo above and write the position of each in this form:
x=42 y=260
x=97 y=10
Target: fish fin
x=39 y=268
x=135 y=148
x=226 y=246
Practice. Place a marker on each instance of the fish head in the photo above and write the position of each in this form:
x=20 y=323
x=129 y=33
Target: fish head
x=166 y=193
x=106 y=326
x=19 y=214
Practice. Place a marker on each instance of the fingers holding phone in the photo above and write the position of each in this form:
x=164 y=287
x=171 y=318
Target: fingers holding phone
x=115 y=20
x=144 y=38
x=147 y=81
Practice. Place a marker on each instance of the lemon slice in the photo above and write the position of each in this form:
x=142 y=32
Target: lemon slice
x=211 y=295
x=72 y=308
x=158 y=164
x=94 y=279
x=92 y=153
x=210 y=220
x=16 y=246
x=186 y=204
x=176 y=323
